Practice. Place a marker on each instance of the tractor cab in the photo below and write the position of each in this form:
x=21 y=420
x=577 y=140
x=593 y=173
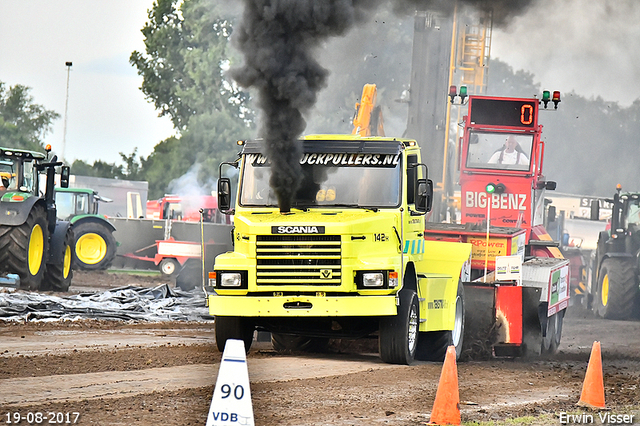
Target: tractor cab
x=17 y=172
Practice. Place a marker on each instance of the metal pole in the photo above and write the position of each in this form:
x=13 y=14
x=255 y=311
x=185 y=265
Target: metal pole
x=66 y=107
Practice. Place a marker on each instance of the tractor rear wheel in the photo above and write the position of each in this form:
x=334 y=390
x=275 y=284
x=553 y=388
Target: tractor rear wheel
x=58 y=276
x=23 y=248
x=95 y=246
x=617 y=289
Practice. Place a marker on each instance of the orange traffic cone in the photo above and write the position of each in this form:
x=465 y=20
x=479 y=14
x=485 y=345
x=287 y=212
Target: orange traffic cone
x=593 y=386
x=446 y=407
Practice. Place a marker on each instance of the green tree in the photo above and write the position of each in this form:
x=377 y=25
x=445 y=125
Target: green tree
x=23 y=123
x=183 y=72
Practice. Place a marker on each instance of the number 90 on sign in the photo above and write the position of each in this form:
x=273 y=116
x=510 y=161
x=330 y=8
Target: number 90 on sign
x=236 y=392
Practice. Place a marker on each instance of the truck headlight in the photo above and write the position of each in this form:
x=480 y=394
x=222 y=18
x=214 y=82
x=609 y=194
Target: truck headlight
x=373 y=279
x=230 y=279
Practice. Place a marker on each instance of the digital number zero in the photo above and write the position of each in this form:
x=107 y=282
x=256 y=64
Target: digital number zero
x=526 y=114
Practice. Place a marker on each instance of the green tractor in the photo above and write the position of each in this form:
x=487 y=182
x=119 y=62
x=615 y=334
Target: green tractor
x=614 y=287
x=95 y=247
x=35 y=248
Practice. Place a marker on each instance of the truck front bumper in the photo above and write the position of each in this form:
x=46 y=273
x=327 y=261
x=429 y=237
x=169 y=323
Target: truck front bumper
x=302 y=306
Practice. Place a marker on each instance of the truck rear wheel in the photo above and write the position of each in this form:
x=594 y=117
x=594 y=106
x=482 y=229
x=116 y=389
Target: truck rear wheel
x=95 y=246
x=398 y=339
x=233 y=328
x=432 y=345
x=58 y=276
x=23 y=248
x=617 y=289
x=288 y=342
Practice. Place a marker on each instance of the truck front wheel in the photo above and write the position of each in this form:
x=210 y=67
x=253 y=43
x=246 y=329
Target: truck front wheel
x=398 y=339
x=233 y=328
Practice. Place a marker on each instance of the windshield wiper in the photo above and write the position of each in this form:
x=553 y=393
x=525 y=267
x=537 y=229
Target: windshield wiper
x=352 y=205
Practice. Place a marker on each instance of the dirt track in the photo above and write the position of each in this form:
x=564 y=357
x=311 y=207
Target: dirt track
x=119 y=373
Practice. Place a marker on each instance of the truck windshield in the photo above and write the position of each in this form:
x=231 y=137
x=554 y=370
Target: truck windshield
x=355 y=185
x=504 y=151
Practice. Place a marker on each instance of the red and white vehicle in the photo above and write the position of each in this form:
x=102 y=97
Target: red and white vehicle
x=187 y=208
x=502 y=214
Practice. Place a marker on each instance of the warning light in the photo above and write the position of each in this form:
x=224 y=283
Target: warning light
x=463 y=92
x=556 y=99
x=546 y=97
x=453 y=92
x=48 y=147
x=492 y=188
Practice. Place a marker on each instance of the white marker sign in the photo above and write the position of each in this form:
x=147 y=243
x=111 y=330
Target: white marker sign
x=231 y=402
x=509 y=268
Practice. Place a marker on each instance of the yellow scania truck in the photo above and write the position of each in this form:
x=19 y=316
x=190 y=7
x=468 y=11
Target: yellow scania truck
x=348 y=260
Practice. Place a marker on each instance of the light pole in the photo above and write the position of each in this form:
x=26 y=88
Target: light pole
x=66 y=107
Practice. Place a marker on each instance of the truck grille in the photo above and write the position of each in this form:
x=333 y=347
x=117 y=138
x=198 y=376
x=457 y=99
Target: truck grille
x=312 y=260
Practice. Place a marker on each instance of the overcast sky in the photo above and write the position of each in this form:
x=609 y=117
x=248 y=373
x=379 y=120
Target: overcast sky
x=107 y=112
x=583 y=45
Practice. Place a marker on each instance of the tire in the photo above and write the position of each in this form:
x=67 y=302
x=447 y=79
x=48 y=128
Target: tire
x=58 y=276
x=169 y=267
x=95 y=247
x=189 y=276
x=23 y=249
x=548 y=340
x=233 y=328
x=432 y=345
x=292 y=343
x=617 y=289
x=398 y=339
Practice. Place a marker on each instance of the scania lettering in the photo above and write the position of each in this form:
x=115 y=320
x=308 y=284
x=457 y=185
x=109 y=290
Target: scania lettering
x=297 y=229
x=349 y=260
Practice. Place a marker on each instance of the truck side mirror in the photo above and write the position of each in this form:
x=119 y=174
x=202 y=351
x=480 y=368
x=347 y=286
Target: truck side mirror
x=424 y=195
x=64 y=176
x=224 y=194
x=595 y=210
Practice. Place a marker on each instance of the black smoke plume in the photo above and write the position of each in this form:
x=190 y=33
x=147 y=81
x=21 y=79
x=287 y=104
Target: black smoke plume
x=278 y=39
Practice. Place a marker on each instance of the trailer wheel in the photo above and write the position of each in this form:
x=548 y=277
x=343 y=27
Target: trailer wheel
x=432 y=345
x=169 y=267
x=23 y=249
x=289 y=342
x=233 y=328
x=617 y=289
x=398 y=339
x=58 y=276
x=95 y=246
